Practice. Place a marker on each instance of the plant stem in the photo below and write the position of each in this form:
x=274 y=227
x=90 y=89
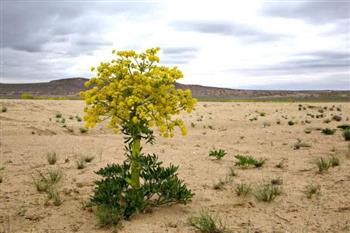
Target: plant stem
x=135 y=166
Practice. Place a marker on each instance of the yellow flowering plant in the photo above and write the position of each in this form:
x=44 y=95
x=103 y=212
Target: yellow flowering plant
x=135 y=94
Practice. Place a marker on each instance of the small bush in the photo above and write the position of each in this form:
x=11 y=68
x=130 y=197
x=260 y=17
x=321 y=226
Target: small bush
x=307 y=130
x=337 y=118
x=206 y=223
x=220 y=185
x=54 y=195
x=299 y=144
x=58 y=115
x=291 y=123
x=27 y=96
x=107 y=216
x=232 y=172
x=243 y=190
x=88 y=158
x=328 y=131
x=322 y=164
x=312 y=189
x=334 y=161
x=54 y=176
x=346 y=134
x=83 y=130
x=70 y=117
x=246 y=161
x=81 y=164
x=344 y=126
x=78 y=118
x=51 y=157
x=160 y=186
x=218 y=154
x=43 y=181
x=63 y=120
x=267 y=193
x=3 y=109
x=277 y=181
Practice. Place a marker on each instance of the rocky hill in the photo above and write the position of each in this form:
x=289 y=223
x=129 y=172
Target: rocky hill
x=71 y=87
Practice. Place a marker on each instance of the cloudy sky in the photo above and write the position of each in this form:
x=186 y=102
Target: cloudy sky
x=252 y=44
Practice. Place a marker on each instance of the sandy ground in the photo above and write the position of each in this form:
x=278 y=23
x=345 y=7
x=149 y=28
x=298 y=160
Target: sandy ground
x=27 y=135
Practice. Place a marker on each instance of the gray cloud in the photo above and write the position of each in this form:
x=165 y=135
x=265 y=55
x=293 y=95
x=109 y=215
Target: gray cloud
x=316 y=64
x=59 y=30
x=313 y=11
x=227 y=29
x=179 y=55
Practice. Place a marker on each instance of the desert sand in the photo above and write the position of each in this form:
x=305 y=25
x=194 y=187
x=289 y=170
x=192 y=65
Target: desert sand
x=28 y=134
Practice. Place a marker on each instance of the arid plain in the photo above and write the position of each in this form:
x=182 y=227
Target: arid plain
x=30 y=129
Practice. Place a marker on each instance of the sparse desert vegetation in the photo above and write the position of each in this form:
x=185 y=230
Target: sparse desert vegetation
x=232 y=196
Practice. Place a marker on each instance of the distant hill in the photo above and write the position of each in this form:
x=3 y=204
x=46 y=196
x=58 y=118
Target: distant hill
x=72 y=86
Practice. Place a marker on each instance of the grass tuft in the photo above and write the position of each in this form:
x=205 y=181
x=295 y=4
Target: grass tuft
x=243 y=190
x=267 y=193
x=311 y=190
x=206 y=223
x=246 y=161
x=51 y=157
x=218 y=154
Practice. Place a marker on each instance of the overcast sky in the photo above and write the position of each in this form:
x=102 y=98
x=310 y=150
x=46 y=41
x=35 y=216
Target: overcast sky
x=252 y=44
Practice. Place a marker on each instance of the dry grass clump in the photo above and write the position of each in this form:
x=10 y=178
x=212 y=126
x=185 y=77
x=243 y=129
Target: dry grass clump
x=207 y=223
x=51 y=157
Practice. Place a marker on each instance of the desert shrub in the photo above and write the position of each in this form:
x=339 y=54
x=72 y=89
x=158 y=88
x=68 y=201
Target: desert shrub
x=70 y=117
x=277 y=181
x=307 y=130
x=328 y=131
x=108 y=216
x=193 y=125
x=45 y=180
x=344 y=126
x=337 y=118
x=26 y=96
x=88 y=158
x=51 y=157
x=63 y=120
x=333 y=161
x=280 y=164
x=246 y=161
x=232 y=172
x=243 y=190
x=159 y=186
x=311 y=190
x=267 y=193
x=206 y=223
x=218 y=154
x=322 y=164
x=81 y=164
x=346 y=134
x=291 y=123
x=148 y=99
x=58 y=115
x=54 y=176
x=83 y=130
x=70 y=130
x=299 y=144
x=41 y=184
x=220 y=185
x=54 y=195
x=78 y=118
x=3 y=109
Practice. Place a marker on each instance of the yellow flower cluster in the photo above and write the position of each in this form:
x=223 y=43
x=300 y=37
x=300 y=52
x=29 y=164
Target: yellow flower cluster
x=134 y=88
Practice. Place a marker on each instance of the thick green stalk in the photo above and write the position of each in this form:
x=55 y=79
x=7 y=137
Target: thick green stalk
x=135 y=166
